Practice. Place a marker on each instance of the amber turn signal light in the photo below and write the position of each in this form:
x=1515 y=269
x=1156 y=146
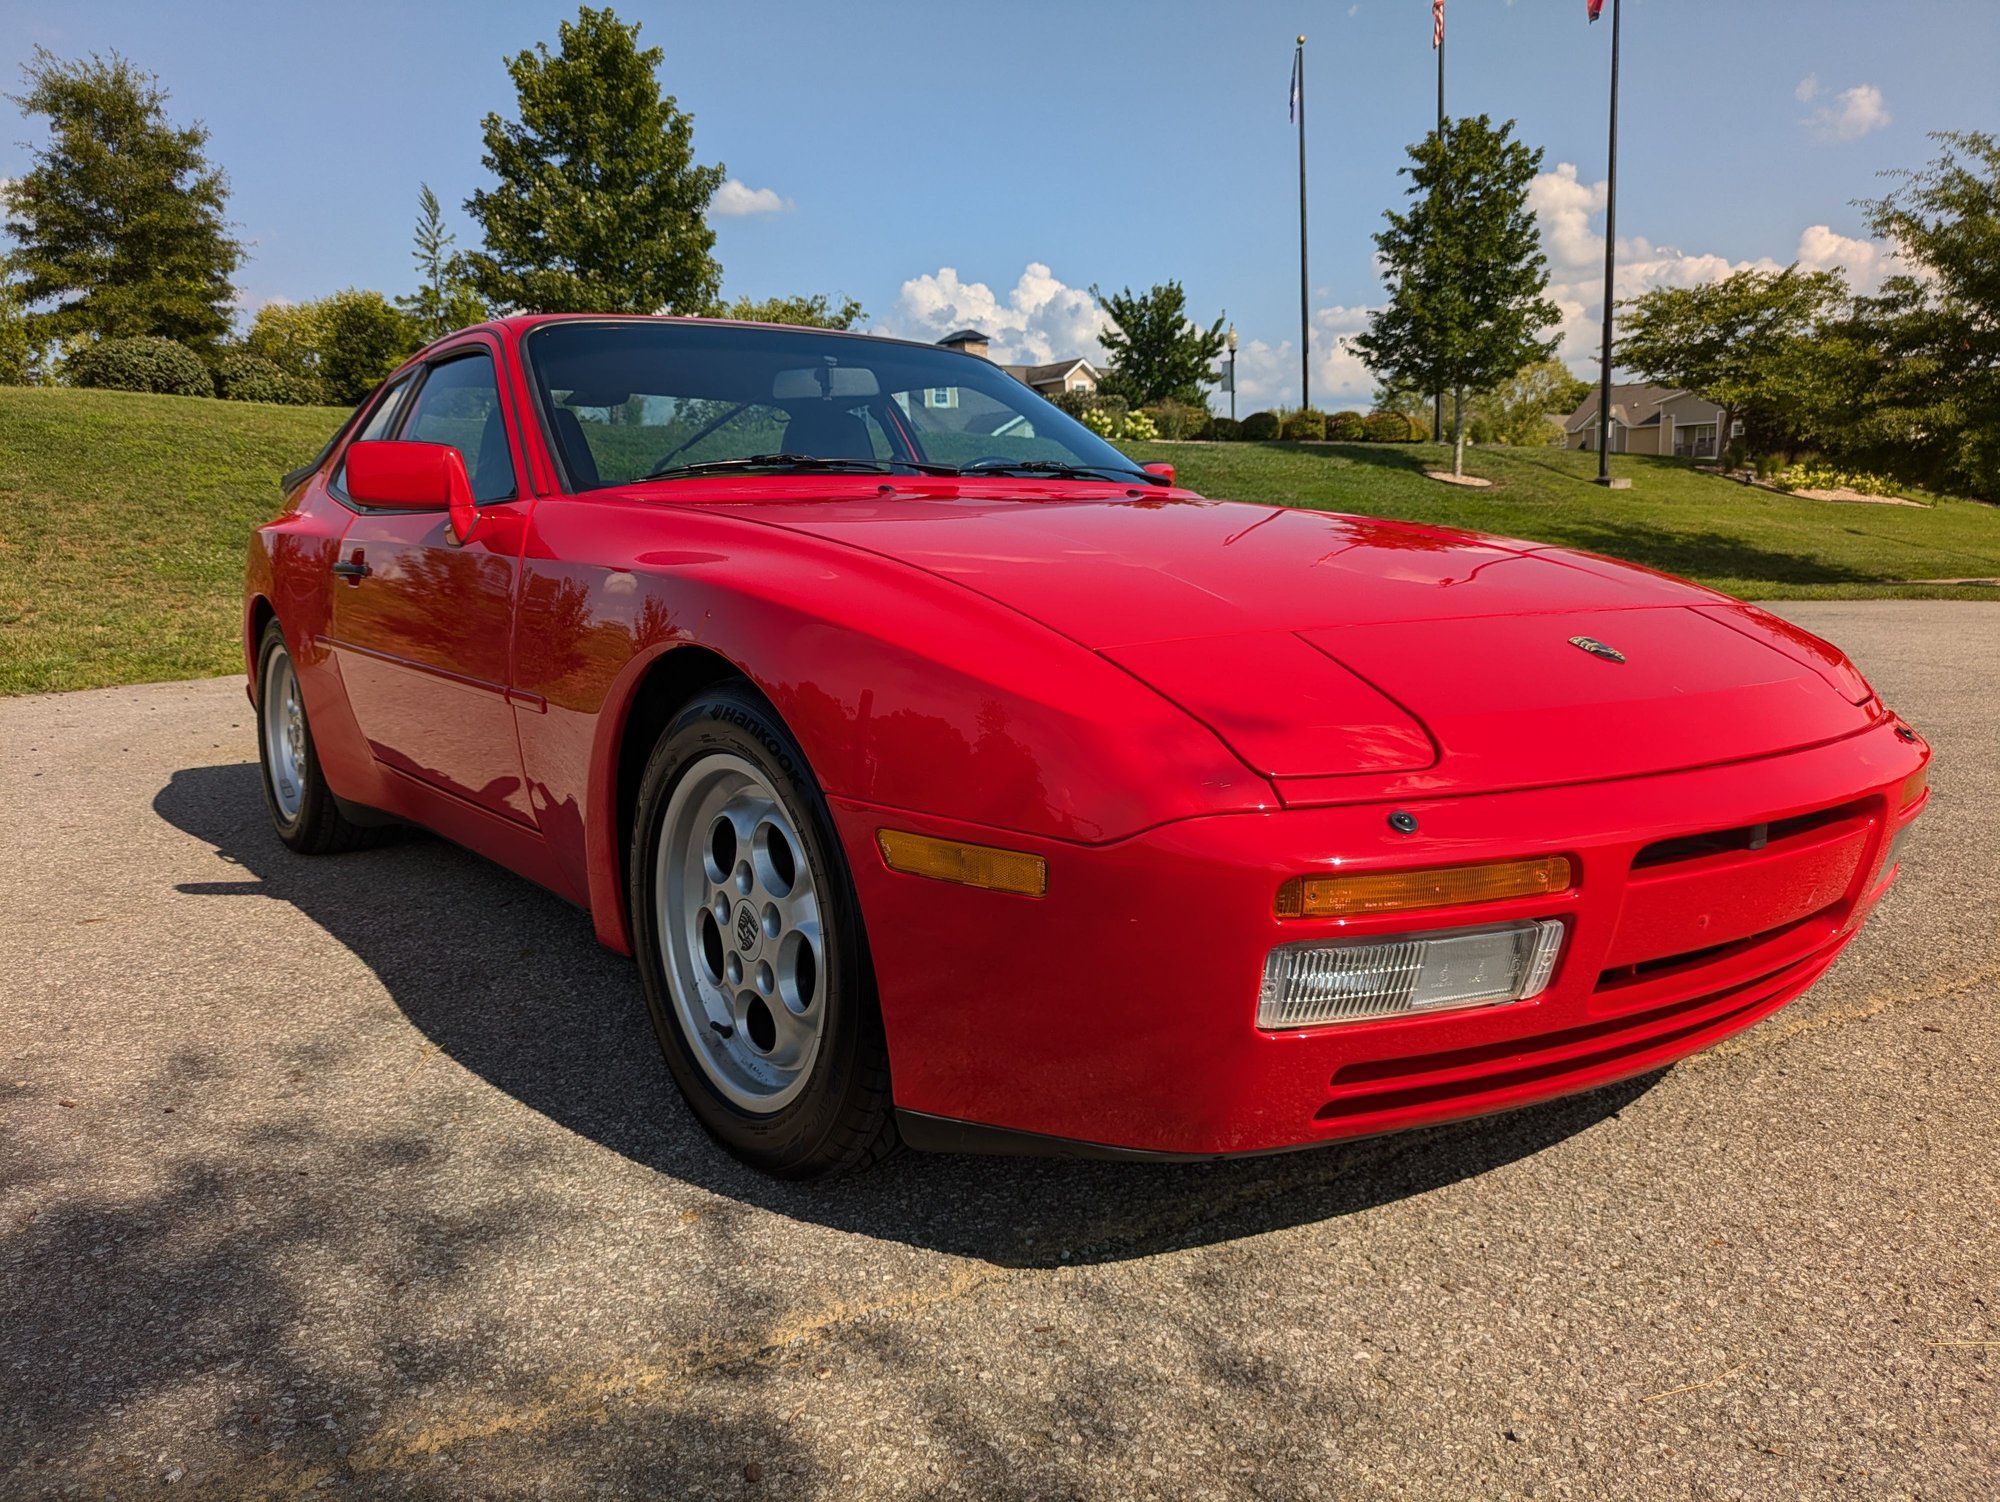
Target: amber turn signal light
x=968 y=865
x=1350 y=896
x=1914 y=785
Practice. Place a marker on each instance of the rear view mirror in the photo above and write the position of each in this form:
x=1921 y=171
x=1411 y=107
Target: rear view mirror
x=824 y=381
x=412 y=477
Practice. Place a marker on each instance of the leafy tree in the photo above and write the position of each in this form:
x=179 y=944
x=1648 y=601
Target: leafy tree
x=119 y=222
x=445 y=298
x=1517 y=411
x=1157 y=352
x=17 y=344
x=1465 y=270
x=600 y=207
x=1931 y=338
x=345 y=343
x=1744 y=343
x=817 y=311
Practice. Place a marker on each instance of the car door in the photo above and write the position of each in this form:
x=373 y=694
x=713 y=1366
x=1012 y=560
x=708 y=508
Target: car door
x=422 y=625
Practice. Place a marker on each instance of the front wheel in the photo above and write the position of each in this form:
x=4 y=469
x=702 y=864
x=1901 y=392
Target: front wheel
x=750 y=946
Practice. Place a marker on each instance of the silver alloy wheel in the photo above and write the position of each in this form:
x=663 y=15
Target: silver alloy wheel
x=739 y=928
x=284 y=734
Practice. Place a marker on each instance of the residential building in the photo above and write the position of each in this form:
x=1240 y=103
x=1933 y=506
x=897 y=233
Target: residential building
x=1048 y=379
x=1649 y=419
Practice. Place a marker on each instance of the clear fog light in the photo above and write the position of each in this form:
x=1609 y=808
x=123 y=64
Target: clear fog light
x=1312 y=985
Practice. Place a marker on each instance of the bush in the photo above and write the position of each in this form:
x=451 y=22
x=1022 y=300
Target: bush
x=1260 y=427
x=1138 y=428
x=142 y=364
x=1179 y=420
x=1390 y=427
x=1346 y=427
x=250 y=378
x=1075 y=402
x=1813 y=475
x=1100 y=420
x=1225 y=429
x=1304 y=426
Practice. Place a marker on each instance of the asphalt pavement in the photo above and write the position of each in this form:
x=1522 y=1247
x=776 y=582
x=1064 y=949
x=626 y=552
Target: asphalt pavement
x=363 y=1176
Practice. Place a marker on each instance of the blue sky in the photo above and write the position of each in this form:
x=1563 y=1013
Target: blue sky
x=986 y=163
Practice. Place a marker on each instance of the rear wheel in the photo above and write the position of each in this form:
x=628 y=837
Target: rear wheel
x=750 y=948
x=301 y=806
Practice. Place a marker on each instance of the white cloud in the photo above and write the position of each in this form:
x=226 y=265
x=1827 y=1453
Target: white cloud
x=1265 y=371
x=1571 y=211
x=1040 y=318
x=1852 y=114
x=736 y=200
x=1808 y=88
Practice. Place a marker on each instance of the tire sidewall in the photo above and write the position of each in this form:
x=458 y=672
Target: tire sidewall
x=735 y=721
x=292 y=829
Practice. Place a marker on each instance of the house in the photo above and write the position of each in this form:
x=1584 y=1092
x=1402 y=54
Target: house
x=1648 y=419
x=1048 y=380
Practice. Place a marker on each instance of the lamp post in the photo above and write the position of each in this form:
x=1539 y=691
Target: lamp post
x=1230 y=341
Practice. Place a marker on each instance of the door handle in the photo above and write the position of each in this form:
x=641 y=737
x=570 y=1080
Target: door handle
x=354 y=570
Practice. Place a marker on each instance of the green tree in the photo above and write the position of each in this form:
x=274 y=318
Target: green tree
x=1744 y=343
x=1931 y=338
x=1465 y=269
x=1517 y=411
x=445 y=298
x=345 y=343
x=1157 y=352
x=600 y=207
x=17 y=343
x=817 y=311
x=118 y=224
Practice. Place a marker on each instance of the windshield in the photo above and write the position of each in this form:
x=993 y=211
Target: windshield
x=638 y=401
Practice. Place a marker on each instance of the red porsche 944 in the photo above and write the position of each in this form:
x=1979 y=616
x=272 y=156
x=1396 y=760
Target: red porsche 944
x=955 y=780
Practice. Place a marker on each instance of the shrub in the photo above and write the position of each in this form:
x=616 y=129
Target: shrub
x=1812 y=475
x=1346 y=427
x=1224 y=429
x=1179 y=420
x=1075 y=402
x=1304 y=426
x=143 y=364
x=1139 y=427
x=1100 y=421
x=1389 y=427
x=250 y=378
x=1260 y=427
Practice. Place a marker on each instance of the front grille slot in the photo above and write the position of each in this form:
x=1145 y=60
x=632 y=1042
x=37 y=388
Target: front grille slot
x=1694 y=959
x=1745 y=838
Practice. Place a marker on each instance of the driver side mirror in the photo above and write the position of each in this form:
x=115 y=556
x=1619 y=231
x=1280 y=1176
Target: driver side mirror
x=413 y=477
x=1163 y=470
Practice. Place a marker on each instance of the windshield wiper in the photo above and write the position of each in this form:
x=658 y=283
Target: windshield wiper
x=1057 y=468
x=800 y=461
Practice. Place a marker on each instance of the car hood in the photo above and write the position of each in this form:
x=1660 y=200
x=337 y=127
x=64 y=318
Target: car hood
x=1324 y=647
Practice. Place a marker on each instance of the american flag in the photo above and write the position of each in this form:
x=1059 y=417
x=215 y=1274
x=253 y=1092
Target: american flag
x=1596 y=7
x=1298 y=57
x=1437 y=22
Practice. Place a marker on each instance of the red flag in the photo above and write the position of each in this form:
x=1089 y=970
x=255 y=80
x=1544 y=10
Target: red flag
x=1596 y=8
x=1437 y=24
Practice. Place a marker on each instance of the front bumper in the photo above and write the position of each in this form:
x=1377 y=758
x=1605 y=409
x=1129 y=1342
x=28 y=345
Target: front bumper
x=1118 y=1013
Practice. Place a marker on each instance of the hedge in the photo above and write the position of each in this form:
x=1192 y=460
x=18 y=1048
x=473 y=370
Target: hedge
x=250 y=378
x=1390 y=427
x=1260 y=427
x=1305 y=426
x=142 y=364
x=1347 y=427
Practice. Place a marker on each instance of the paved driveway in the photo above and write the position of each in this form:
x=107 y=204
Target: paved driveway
x=363 y=1174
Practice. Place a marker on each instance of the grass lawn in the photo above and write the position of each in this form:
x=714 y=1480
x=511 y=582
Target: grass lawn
x=123 y=521
x=1748 y=542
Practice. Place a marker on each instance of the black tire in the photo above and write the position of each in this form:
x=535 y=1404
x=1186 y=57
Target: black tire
x=315 y=824
x=841 y=1119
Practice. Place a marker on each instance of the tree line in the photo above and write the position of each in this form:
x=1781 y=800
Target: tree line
x=122 y=262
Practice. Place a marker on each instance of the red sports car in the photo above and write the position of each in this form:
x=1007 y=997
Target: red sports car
x=955 y=780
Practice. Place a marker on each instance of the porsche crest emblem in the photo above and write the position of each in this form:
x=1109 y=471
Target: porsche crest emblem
x=1597 y=648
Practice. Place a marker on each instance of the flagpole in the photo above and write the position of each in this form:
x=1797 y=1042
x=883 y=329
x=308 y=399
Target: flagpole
x=1437 y=415
x=1610 y=269
x=1305 y=311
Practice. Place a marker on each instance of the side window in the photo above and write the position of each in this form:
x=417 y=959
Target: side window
x=459 y=404
x=381 y=423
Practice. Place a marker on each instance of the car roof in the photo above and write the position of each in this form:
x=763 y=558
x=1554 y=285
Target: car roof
x=520 y=323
